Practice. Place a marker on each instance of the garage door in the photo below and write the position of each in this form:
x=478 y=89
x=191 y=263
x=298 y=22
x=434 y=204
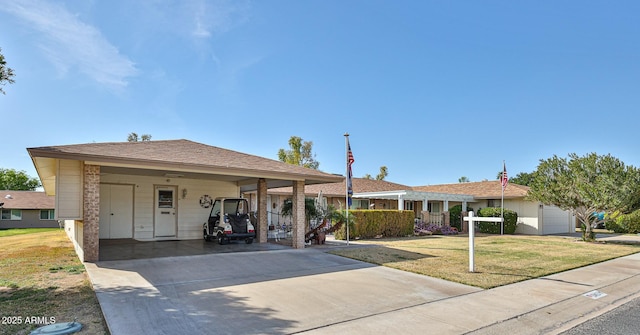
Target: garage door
x=116 y=211
x=555 y=221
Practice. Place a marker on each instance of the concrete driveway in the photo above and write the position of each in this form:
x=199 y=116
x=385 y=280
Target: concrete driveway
x=262 y=292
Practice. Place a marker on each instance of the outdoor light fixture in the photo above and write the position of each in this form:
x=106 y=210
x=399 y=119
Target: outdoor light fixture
x=184 y=193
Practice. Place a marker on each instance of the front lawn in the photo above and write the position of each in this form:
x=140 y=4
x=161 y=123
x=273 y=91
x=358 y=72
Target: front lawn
x=499 y=260
x=42 y=281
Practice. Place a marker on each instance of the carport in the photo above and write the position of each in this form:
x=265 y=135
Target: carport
x=157 y=191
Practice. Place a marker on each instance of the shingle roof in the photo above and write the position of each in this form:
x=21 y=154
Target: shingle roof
x=360 y=185
x=480 y=190
x=26 y=200
x=179 y=154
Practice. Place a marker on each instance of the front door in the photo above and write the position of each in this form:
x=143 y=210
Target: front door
x=165 y=211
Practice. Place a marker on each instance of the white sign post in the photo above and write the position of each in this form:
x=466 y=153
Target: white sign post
x=472 y=222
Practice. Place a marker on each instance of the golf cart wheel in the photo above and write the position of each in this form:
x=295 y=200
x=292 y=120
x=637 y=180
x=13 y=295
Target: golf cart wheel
x=205 y=236
x=222 y=240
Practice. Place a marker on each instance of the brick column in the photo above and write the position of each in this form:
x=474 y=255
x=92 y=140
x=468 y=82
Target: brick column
x=299 y=223
x=262 y=211
x=91 y=213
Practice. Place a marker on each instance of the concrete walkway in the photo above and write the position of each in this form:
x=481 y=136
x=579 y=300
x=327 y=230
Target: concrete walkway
x=312 y=292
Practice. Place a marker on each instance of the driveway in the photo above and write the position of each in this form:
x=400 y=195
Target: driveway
x=261 y=292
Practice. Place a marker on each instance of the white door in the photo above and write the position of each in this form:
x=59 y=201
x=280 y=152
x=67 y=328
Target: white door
x=116 y=211
x=165 y=211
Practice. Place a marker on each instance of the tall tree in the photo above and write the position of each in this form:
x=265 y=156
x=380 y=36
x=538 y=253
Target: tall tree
x=11 y=179
x=300 y=153
x=133 y=137
x=463 y=179
x=586 y=185
x=6 y=73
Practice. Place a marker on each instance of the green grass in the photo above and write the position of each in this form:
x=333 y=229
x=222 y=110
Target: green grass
x=22 y=231
x=499 y=260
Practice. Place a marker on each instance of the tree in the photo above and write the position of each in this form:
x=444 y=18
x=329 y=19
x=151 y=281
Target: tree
x=384 y=172
x=463 y=179
x=6 y=73
x=586 y=185
x=10 y=179
x=523 y=178
x=299 y=154
x=133 y=137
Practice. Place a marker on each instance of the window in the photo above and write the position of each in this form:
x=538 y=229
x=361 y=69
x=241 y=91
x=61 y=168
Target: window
x=493 y=203
x=47 y=214
x=11 y=214
x=408 y=205
x=359 y=203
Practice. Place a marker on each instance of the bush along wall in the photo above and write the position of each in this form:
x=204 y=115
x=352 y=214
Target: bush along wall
x=375 y=223
x=510 y=221
x=455 y=216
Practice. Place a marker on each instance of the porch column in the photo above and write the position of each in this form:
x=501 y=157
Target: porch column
x=262 y=211
x=446 y=219
x=464 y=206
x=91 y=214
x=425 y=210
x=400 y=202
x=299 y=223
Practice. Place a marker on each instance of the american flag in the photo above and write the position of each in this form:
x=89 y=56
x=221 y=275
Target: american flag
x=504 y=180
x=350 y=161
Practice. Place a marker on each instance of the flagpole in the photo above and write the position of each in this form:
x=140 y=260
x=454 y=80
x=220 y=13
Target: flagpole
x=346 y=183
x=502 y=185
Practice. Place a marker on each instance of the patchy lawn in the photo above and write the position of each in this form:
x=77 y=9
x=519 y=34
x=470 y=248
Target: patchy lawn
x=42 y=280
x=499 y=260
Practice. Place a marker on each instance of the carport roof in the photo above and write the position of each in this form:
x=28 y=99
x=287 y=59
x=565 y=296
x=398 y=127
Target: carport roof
x=176 y=158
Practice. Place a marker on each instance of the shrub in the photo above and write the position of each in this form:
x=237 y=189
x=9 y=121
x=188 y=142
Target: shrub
x=510 y=221
x=455 y=216
x=373 y=223
x=626 y=223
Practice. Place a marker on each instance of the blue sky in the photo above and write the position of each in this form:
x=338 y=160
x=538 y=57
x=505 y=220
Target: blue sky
x=434 y=90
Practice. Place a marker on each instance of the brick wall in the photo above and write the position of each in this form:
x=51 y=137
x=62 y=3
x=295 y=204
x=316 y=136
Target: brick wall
x=262 y=211
x=299 y=221
x=91 y=213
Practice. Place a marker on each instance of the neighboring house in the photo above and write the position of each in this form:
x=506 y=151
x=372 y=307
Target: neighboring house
x=27 y=209
x=432 y=203
x=158 y=190
x=533 y=217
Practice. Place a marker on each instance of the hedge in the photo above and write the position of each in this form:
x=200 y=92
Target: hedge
x=510 y=221
x=373 y=223
x=625 y=223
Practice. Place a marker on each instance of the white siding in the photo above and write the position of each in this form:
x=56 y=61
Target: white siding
x=191 y=215
x=69 y=190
